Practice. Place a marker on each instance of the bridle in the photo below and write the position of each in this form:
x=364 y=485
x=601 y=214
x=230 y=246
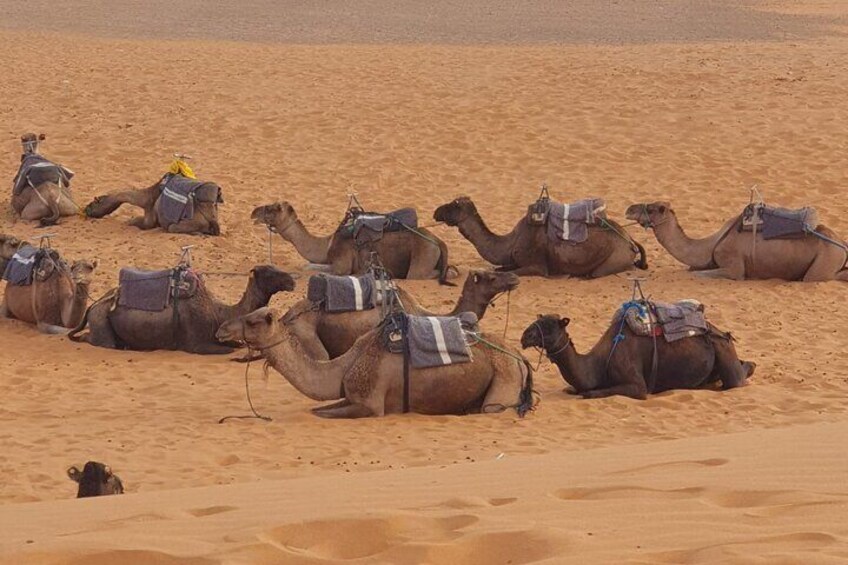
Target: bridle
x=650 y=224
x=544 y=348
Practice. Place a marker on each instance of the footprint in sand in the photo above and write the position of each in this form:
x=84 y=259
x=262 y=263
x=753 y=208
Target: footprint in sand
x=211 y=511
x=675 y=465
x=618 y=492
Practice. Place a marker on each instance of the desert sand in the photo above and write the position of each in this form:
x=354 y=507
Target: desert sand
x=286 y=102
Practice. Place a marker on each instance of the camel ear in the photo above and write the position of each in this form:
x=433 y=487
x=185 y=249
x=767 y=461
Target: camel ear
x=563 y=323
x=41 y=137
x=107 y=470
x=94 y=263
x=74 y=474
x=539 y=316
x=269 y=317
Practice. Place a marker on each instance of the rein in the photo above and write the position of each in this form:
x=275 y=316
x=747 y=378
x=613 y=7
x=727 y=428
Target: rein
x=250 y=358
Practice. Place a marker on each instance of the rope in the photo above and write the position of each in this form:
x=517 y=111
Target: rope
x=480 y=339
x=247 y=390
x=419 y=234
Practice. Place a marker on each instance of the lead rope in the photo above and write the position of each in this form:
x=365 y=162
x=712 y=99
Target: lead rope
x=254 y=414
x=506 y=323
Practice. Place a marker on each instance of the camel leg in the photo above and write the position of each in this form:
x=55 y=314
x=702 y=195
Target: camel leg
x=345 y=411
x=209 y=349
x=842 y=275
x=100 y=333
x=146 y=222
x=632 y=390
x=340 y=404
x=505 y=389
x=722 y=273
x=190 y=226
x=423 y=262
x=823 y=268
x=34 y=210
x=733 y=372
x=531 y=271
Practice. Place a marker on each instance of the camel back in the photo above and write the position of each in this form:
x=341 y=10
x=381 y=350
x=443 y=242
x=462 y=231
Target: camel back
x=778 y=223
x=36 y=170
x=154 y=291
x=675 y=321
x=429 y=341
x=366 y=227
x=179 y=194
x=567 y=222
x=32 y=263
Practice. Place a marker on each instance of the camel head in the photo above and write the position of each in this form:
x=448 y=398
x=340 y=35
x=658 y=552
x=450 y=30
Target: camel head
x=9 y=245
x=454 y=213
x=257 y=330
x=548 y=332
x=101 y=206
x=95 y=479
x=270 y=280
x=649 y=214
x=489 y=284
x=82 y=271
x=29 y=142
x=277 y=216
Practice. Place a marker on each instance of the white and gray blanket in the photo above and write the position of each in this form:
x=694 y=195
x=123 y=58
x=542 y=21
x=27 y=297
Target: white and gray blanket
x=570 y=222
x=145 y=290
x=779 y=223
x=21 y=267
x=342 y=294
x=36 y=169
x=435 y=341
x=179 y=194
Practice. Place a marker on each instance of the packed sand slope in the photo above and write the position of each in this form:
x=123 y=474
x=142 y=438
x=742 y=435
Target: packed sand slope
x=696 y=124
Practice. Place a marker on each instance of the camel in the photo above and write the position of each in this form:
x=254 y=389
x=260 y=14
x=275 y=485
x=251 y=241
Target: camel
x=527 y=250
x=191 y=328
x=95 y=479
x=54 y=304
x=404 y=254
x=729 y=253
x=327 y=335
x=204 y=221
x=369 y=380
x=689 y=363
x=48 y=197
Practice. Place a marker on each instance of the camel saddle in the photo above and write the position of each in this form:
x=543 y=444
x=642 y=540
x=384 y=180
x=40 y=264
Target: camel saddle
x=673 y=321
x=179 y=194
x=570 y=222
x=36 y=170
x=32 y=263
x=367 y=227
x=429 y=341
x=154 y=291
x=779 y=223
x=350 y=294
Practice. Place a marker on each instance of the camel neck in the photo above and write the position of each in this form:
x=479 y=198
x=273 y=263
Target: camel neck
x=251 y=299
x=496 y=249
x=580 y=371
x=310 y=247
x=697 y=253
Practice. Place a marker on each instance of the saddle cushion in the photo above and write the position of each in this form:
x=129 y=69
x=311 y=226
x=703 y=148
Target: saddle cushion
x=179 y=194
x=673 y=321
x=569 y=222
x=779 y=223
x=342 y=294
x=366 y=227
x=21 y=267
x=435 y=341
x=152 y=291
x=36 y=170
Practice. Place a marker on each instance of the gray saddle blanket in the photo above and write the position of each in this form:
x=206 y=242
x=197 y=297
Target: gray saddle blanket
x=21 y=267
x=779 y=223
x=435 y=341
x=342 y=294
x=152 y=291
x=673 y=321
x=570 y=222
x=36 y=170
x=367 y=227
x=179 y=195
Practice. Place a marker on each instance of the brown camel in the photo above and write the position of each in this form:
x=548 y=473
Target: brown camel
x=369 y=380
x=203 y=221
x=688 y=363
x=327 y=335
x=43 y=194
x=56 y=302
x=405 y=255
x=95 y=479
x=191 y=328
x=527 y=249
x=738 y=255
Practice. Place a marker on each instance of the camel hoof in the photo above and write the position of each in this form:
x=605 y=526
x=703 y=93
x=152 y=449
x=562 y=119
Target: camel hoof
x=749 y=367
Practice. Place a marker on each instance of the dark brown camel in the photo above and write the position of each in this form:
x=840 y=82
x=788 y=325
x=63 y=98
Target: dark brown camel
x=95 y=479
x=689 y=363
x=192 y=328
x=527 y=249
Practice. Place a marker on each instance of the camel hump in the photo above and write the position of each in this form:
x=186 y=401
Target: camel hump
x=779 y=223
x=674 y=321
x=430 y=341
x=36 y=170
x=153 y=291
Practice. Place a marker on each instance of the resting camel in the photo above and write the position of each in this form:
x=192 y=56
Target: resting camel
x=95 y=479
x=327 y=335
x=192 y=328
x=369 y=380
x=53 y=304
x=45 y=201
x=689 y=363
x=403 y=254
x=204 y=220
x=733 y=254
x=527 y=249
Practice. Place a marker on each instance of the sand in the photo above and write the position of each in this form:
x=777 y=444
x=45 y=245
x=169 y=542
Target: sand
x=752 y=475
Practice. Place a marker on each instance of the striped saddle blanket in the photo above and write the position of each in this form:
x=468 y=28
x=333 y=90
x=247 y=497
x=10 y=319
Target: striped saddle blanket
x=779 y=223
x=431 y=341
x=367 y=227
x=673 y=321
x=569 y=222
x=349 y=294
x=36 y=170
x=28 y=263
x=179 y=194
x=153 y=291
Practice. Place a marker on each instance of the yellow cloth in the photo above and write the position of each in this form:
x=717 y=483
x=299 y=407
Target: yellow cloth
x=180 y=167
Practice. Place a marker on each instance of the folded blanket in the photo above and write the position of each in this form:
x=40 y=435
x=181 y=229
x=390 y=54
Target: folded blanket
x=20 y=268
x=145 y=290
x=570 y=222
x=36 y=170
x=674 y=321
x=367 y=227
x=779 y=223
x=436 y=341
x=179 y=194
x=342 y=294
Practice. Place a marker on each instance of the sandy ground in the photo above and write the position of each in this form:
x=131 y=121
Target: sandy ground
x=753 y=475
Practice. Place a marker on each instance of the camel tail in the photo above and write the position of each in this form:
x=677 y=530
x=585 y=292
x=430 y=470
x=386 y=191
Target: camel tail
x=74 y=333
x=642 y=262
x=526 y=398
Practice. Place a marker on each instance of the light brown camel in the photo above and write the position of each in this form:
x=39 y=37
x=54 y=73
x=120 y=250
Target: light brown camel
x=738 y=255
x=405 y=255
x=204 y=220
x=192 y=328
x=95 y=479
x=527 y=249
x=369 y=380
x=327 y=335
x=688 y=363
x=47 y=197
x=54 y=304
